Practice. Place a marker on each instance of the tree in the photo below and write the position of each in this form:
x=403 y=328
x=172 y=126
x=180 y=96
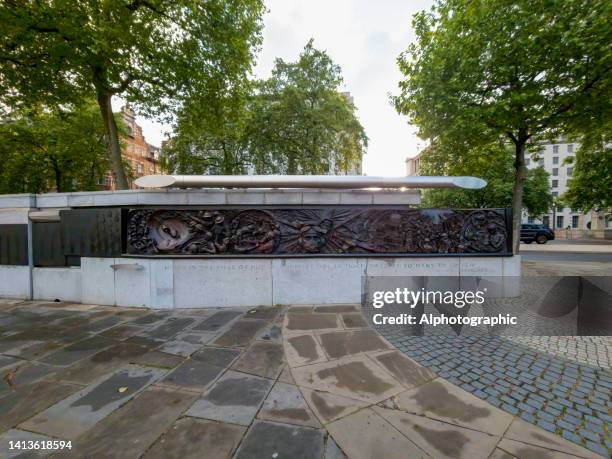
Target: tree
x=522 y=70
x=154 y=53
x=210 y=134
x=301 y=123
x=64 y=150
x=492 y=162
x=591 y=183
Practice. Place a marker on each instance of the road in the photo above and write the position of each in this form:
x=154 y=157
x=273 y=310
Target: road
x=573 y=250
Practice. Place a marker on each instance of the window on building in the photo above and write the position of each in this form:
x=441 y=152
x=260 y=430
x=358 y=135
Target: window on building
x=559 y=209
x=555 y=148
x=575 y=221
x=140 y=168
x=559 y=221
x=546 y=220
x=527 y=161
x=570 y=170
x=555 y=194
x=555 y=160
x=574 y=211
x=530 y=220
x=555 y=183
x=555 y=171
x=570 y=148
x=541 y=161
x=567 y=183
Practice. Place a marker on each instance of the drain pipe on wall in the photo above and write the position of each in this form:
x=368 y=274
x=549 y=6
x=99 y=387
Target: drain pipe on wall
x=31 y=247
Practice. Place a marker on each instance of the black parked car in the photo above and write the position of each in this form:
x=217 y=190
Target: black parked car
x=536 y=232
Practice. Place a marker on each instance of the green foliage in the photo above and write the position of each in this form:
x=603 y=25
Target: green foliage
x=156 y=54
x=61 y=150
x=301 y=123
x=492 y=162
x=295 y=122
x=591 y=183
x=523 y=70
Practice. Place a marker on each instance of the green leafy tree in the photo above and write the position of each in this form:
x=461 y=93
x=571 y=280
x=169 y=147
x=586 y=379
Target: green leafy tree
x=210 y=134
x=492 y=162
x=61 y=150
x=300 y=123
x=524 y=70
x=155 y=53
x=590 y=187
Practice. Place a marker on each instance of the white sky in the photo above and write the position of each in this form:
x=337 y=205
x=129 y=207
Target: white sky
x=364 y=37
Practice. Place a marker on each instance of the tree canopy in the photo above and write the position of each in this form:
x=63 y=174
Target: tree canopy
x=61 y=150
x=295 y=122
x=492 y=162
x=522 y=71
x=154 y=53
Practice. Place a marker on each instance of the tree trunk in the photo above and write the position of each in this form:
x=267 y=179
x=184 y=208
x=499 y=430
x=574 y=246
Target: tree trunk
x=110 y=125
x=58 y=175
x=517 y=197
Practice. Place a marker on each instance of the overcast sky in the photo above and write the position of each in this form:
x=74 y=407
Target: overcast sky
x=364 y=37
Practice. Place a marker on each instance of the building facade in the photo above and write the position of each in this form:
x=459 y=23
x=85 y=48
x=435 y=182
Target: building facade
x=567 y=222
x=141 y=157
x=413 y=165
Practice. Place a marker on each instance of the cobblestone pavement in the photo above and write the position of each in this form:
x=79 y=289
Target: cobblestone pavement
x=313 y=382
x=560 y=395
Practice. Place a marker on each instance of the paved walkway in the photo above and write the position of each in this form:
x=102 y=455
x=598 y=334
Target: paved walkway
x=313 y=382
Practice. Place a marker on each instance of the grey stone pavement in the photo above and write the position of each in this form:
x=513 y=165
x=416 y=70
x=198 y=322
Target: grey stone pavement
x=268 y=382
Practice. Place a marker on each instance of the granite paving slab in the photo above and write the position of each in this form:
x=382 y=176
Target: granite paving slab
x=332 y=450
x=301 y=322
x=337 y=308
x=285 y=376
x=354 y=320
x=271 y=440
x=102 y=324
x=446 y=402
x=15 y=435
x=121 y=332
x=144 y=341
x=439 y=439
x=365 y=435
x=104 y=362
x=272 y=333
x=329 y=407
x=353 y=377
x=157 y=359
x=240 y=333
x=515 y=449
x=301 y=309
x=285 y=403
x=77 y=351
x=263 y=312
x=216 y=356
x=217 y=321
x=179 y=347
x=131 y=429
x=76 y=414
x=8 y=362
x=261 y=359
x=192 y=375
x=341 y=343
x=303 y=350
x=404 y=369
x=527 y=433
x=169 y=328
x=196 y=337
x=26 y=401
x=152 y=318
x=189 y=437
x=23 y=373
x=234 y=398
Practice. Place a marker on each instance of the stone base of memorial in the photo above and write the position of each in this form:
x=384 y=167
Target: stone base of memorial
x=219 y=248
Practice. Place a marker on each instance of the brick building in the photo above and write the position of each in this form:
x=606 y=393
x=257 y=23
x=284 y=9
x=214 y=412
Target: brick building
x=143 y=158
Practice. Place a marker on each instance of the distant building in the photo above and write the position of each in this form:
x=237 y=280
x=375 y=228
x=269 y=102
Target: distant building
x=142 y=157
x=565 y=221
x=413 y=165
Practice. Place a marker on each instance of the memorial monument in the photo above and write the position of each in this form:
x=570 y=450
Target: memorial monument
x=216 y=241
